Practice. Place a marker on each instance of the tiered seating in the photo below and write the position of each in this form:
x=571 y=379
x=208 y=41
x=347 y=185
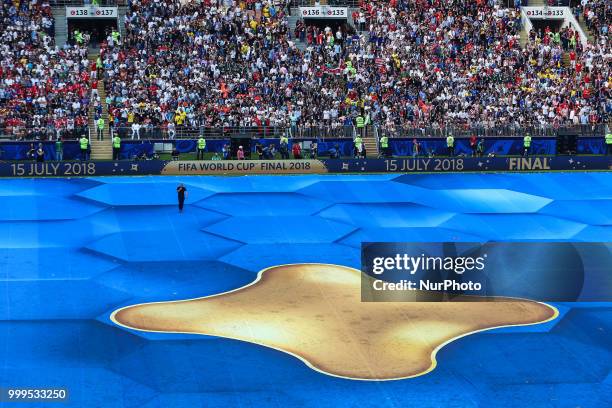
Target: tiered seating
x=44 y=90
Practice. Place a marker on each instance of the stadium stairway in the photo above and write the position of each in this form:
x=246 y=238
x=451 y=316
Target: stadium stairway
x=295 y=16
x=586 y=30
x=61 y=29
x=524 y=37
x=100 y=149
x=371 y=144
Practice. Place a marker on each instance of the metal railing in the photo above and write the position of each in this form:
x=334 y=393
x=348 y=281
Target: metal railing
x=41 y=133
x=187 y=132
x=303 y=132
x=596 y=130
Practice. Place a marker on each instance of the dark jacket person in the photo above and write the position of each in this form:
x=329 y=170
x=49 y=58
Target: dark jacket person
x=182 y=194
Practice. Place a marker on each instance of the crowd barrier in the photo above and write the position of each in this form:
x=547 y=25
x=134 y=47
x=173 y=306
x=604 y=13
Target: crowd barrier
x=322 y=166
x=398 y=147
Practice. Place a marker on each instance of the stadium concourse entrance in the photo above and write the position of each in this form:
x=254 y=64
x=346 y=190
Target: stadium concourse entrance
x=326 y=16
x=539 y=25
x=333 y=23
x=97 y=28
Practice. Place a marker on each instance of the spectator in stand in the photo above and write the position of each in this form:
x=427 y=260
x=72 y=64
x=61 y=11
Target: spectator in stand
x=424 y=63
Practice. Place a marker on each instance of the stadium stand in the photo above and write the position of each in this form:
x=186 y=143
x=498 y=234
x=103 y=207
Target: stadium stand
x=425 y=64
x=45 y=89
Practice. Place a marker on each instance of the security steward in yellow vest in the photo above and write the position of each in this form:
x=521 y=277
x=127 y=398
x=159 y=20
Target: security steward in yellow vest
x=84 y=144
x=116 y=147
x=201 y=148
x=609 y=143
x=360 y=124
x=450 y=145
x=358 y=146
x=284 y=147
x=526 y=144
x=384 y=145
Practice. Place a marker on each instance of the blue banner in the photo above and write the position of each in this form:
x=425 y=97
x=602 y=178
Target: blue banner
x=237 y=167
x=327 y=148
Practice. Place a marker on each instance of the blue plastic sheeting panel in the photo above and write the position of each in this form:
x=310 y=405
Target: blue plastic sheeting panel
x=51 y=263
x=61 y=279
x=594 y=233
x=259 y=184
x=157 y=281
x=271 y=230
x=45 y=187
x=392 y=215
x=515 y=227
x=41 y=208
x=160 y=193
x=51 y=234
x=594 y=212
x=491 y=200
x=256 y=257
x=163 y=245
x=154 y=218
x=263 y=204
x=407 y=234
x=81 y=299
x=559 y=186
x=364 y=192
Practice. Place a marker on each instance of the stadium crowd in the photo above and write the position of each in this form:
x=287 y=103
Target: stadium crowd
x=44 y=89
x=214 y=63
x=423 y=63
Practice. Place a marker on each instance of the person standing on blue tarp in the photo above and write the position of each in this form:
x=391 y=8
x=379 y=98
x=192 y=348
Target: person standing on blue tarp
x=609 y=143
x=182 y=195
